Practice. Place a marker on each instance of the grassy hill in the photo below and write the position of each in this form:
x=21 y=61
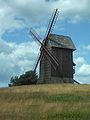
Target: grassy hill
x=45 y=102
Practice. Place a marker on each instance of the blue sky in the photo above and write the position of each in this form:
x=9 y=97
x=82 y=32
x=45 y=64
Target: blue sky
x=18 y=50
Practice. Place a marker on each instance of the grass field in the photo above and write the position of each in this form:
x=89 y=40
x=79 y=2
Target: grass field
x=45 y=102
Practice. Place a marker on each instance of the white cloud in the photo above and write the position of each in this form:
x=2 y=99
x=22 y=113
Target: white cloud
x=16 y=58
x=36 y=12
x=87 y=47
x=82 y=70
x=74 y=10
x=80 y=61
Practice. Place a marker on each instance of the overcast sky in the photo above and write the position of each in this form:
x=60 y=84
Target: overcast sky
x=18 y=51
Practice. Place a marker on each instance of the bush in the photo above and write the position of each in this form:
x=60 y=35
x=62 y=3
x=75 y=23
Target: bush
x=30 y=77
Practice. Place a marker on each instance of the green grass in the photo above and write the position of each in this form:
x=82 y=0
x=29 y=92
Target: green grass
x=45 y=102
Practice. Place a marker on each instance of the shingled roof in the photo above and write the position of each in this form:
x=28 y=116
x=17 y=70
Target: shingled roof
x=61 y=41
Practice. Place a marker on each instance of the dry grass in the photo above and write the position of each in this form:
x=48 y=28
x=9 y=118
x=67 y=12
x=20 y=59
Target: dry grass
x=45 y=102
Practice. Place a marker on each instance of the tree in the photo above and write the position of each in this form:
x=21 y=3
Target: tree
x=30 y=77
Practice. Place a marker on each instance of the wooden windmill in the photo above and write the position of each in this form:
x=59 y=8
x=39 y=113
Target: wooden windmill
x=56 y=55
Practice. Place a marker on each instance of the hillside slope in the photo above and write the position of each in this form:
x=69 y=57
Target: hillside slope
x=45 y=102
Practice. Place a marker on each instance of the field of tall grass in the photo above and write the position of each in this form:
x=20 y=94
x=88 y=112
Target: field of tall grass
x=45 y=102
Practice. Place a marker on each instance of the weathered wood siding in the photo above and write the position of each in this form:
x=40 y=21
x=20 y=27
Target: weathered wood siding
x=45 y=70
x=65 y=59
x=65 y=69
x=64 y=72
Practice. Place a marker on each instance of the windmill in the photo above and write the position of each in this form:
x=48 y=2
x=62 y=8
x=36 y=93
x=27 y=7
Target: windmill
x=54 y=68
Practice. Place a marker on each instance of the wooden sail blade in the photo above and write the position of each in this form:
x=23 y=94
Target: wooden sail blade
x=51 y=25
x=35 y=35
x=49 y=29
x=36 y=63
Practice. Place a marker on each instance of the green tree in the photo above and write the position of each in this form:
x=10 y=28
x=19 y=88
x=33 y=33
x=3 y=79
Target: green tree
x=30 y=77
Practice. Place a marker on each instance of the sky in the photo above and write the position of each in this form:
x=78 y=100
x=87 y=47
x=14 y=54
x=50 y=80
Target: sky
x=18 y=50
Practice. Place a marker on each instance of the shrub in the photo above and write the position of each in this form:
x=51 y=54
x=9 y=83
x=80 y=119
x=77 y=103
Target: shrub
x=30 y=77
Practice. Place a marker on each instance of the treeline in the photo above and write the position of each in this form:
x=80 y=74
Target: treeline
x=30 y=77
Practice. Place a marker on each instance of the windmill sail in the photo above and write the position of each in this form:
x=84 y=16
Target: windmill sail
x=51 y=25
x=37 y=37
x=49 y=29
